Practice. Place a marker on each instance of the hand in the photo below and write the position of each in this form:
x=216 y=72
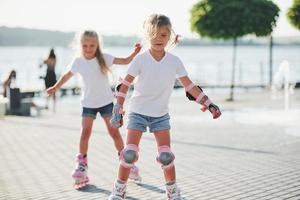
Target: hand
x=215 y=111
x=137 y=48
x=51 y=91
x=117 y=116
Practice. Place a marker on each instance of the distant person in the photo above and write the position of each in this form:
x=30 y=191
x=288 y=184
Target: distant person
x=97 y=96
x=50 y=78
x=157 y=71
x=10 y=83
x=11 y=79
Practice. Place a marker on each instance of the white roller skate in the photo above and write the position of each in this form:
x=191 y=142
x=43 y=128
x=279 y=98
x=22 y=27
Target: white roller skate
x=79 y=174
x=119 y=191
x=134 y=174
x=173 y=192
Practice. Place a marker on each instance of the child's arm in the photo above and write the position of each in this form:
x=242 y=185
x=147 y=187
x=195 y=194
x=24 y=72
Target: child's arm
x=117 y=117
x=64 y=78
x=125 y=61
x=200 y=97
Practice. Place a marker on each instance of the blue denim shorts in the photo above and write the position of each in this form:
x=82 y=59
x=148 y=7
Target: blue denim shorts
x=141 y=122
x=105 y=111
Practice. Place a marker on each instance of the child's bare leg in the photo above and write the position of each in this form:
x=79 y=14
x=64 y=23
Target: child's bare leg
x=165 y=158
x=163 y=140
x=80 y=174
x=129 y=156
x=115 y=134
x=87 y=123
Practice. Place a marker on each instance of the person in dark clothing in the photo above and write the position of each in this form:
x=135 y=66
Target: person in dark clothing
x=7 y=83
x=10 y=83
x=50 y=78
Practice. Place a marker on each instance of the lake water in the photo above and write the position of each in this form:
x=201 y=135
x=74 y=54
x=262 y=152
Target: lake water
x=207 y=65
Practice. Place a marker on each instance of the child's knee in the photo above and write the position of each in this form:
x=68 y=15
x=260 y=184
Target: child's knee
x=115 y=134
x=165 y=157
x=86 y=129
x=129 y=155
x=86 y=132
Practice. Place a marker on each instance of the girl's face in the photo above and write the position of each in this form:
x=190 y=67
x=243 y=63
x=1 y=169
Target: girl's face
x=89 y=46
x=160 y=40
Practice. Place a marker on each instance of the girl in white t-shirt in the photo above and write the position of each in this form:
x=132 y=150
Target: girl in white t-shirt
x=97 y=96
x=157 y=71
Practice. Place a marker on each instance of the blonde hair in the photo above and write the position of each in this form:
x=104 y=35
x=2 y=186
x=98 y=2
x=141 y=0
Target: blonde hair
x=156 y=21
x=90 y=33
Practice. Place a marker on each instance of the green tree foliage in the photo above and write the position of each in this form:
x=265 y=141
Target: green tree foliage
x=231 y=19
x=294 y=14
x=227 y=19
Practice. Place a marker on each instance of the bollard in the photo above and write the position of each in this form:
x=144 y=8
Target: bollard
x=284 y=68
x=281 y=81
x=286 y=72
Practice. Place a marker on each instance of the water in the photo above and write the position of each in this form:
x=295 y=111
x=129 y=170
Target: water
x=205 y=65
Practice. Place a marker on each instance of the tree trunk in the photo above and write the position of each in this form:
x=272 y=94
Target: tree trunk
x=231 y=98
x=271 y=61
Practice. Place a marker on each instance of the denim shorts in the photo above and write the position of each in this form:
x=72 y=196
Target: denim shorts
x=141 y=122
x=105 y=111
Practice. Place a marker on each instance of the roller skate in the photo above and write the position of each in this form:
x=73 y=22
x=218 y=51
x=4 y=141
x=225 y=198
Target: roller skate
x=119 y=191
x=79 y=174
x=173 y=192
x=134 y=174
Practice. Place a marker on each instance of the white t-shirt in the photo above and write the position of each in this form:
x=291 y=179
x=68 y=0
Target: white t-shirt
x=96 y=89
x=155 y=83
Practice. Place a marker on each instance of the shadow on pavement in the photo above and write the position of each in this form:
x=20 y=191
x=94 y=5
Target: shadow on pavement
x=94 y=189
x=151 y=187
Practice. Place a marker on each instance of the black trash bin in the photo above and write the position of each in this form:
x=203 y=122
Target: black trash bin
x=16 y=104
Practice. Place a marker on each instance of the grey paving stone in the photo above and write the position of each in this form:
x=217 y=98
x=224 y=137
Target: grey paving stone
x=217 y=160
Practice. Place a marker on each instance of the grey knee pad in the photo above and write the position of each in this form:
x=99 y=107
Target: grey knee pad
x=130 y=156
x=166 y=158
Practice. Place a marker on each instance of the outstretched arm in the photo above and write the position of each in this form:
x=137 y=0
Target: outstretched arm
x=117 y=117
x=127 y=60
x=199 y=96
x=64 y=78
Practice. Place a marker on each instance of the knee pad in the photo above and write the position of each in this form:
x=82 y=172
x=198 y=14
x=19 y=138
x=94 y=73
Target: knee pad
x=165 y=157
x=129 y=155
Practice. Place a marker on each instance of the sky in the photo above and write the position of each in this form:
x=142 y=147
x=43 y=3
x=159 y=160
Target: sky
x=110 y=17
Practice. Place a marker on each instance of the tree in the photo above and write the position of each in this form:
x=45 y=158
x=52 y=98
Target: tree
x=293 y=14
x=232 y=19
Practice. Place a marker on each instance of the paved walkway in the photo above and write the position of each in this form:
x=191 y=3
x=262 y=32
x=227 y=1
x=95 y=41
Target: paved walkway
x=252 y=152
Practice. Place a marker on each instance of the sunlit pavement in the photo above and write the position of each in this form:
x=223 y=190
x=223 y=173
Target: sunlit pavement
x=252 y=152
